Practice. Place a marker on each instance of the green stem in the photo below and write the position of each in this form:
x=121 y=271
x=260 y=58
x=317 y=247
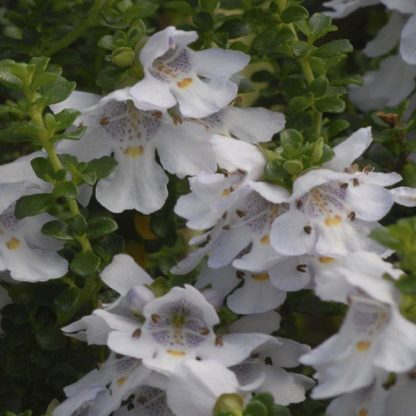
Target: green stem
x=45 y=137
x=309 y=77
x=77 y=32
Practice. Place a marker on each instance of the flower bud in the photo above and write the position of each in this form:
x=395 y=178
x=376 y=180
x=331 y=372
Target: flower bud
x=123 y=57
x=138 y=297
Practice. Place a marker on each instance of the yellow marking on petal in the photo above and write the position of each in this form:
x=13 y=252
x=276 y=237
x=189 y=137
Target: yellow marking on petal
x=265 y=240
x=260 y=277
x=184 y=83
x=13 y=243
x=134 y=151
x=104 y=121
x=227 y=191
x=120 y=381
x=331 y=221
x=363 y=412
x=363 y=345
x=326 y=260
x=176 y=353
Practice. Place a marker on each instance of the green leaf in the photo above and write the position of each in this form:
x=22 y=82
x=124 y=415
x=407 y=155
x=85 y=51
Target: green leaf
x=19 y=131
x=66 y=118
x=44 y=170
x=235 y=28
x=299 y=104
x=7 y=77
x=319 y=86
x=85 y=263
x=208 y=5
x=407 y=285
x=50 y=338
x=203 y=21
x=330 y=105
x=30 y=205
x=255 y=408
x=302 y=48
x=56 y=90
x=269 y=41
x=320 y=25
x=293 y=167
x=294 y=13
x=57 y=229
x=77 y=225
x=290 y=139
x=336 y=47
x=123 y=57
x=66 y=190
x=101 y=167
x=337 y=126
x=66 y=302
x=101 y=226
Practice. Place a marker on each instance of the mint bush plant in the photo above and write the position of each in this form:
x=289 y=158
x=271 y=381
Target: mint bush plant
x=207 y=208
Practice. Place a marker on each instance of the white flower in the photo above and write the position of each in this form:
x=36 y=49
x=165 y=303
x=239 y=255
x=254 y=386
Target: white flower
x=241 y=219
x=404 y=195
x=342 y=8
x=265 y=323
x=29 y=255
x=177 y=327
x=195 y=386
x=257 y=294
x=173 y=74
x=251 y=125
x=401 y=399
x=408 y=41
x=336 y=278
x=264 y=371
x=148 y=400
x=366 y=401
x=17 y=178
x=129 y=280
x=387 y=37
x=331 y=212
x=379 y=90
x=116 y=126
x=373 y=336
x=102 y=391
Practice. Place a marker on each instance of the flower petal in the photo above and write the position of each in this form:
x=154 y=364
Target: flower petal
x=290 y=236
x=216 y=62
x=387 y=37
x=138 y=182
x=202 y=98
x=184 y=149
x=350 y=149
x=404 y=195
x=408 y=41
x=123 y=273
x=234 y=154
x=253 y=125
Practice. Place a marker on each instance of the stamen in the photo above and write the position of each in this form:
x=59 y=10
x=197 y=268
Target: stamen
x=301 y=268
x=307 y=229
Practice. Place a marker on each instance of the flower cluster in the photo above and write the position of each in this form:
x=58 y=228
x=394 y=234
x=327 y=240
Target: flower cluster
x=255 y=242
x=394 y=80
